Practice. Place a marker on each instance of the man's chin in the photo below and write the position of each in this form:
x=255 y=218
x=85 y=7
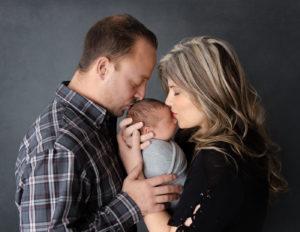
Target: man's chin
x=119 y=113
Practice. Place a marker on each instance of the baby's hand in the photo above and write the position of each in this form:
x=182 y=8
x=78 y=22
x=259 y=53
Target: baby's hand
x=126 y=131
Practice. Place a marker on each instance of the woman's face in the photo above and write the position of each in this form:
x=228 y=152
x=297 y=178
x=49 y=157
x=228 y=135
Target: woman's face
x=183 y=109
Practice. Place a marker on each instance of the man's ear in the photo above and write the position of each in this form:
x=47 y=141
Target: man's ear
x=147 y=129
x=102 y=66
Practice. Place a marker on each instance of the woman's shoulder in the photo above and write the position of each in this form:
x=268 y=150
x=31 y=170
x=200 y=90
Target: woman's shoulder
x=216 y=163
x=218 y=155
x=222 y=162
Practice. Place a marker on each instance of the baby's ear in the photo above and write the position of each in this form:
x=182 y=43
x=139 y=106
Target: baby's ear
x=147 y=129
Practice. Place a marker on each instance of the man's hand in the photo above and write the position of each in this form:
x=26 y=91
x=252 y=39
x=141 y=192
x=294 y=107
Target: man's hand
x=126 y=132
x=148 y=194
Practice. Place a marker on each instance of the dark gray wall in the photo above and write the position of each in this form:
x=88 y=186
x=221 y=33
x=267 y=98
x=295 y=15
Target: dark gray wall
x=41 y=42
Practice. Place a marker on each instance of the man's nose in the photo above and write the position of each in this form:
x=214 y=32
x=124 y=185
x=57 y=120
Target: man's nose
x=140 y=94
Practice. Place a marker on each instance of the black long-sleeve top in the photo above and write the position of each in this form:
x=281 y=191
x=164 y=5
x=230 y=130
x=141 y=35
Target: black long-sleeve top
x=231 y=199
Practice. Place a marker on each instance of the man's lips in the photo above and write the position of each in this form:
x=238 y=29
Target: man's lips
x=174 y=114
x=127 y=107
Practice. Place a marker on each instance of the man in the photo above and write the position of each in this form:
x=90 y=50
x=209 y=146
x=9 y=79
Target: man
x=69 y=175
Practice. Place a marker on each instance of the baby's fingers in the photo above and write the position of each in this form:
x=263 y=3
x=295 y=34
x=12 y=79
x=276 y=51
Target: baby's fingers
x=146 y=137
x=125 y=122
x=145 y=145
x=129 y=130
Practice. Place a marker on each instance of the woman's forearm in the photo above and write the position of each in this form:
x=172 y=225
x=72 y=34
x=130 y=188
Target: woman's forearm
x=158 y=222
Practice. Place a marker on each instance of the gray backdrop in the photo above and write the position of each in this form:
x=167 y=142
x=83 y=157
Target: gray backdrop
x=41 y=42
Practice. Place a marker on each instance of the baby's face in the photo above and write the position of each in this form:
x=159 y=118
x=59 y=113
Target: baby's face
x=166 y=127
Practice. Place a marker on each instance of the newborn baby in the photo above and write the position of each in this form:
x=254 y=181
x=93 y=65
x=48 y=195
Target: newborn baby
x=163 y=155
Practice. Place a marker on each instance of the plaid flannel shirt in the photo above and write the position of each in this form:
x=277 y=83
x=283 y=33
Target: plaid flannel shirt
x=68 y=173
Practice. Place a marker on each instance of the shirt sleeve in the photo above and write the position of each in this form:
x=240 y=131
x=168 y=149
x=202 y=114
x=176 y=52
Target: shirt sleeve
x=52 y=191
x=212 y=195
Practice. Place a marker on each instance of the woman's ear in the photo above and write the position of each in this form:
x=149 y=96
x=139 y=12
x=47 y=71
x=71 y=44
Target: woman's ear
x=102 y=66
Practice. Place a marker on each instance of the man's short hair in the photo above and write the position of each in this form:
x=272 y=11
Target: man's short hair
x=113 y=37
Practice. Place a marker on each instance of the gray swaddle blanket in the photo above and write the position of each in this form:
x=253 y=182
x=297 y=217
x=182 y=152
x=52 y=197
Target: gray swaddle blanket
x=165 y=157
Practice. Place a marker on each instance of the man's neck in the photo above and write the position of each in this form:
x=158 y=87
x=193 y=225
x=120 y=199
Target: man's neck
x=83 y=84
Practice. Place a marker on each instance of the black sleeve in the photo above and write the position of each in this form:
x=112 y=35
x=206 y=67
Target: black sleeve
x=213 y=183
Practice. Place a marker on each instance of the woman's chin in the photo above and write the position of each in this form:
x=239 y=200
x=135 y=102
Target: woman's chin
x=180 y=126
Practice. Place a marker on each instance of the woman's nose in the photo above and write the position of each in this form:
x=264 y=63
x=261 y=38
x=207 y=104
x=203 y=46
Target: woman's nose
x=168 y=100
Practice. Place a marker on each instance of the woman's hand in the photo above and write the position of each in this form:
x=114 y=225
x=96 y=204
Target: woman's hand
x=126 y=130
x=130 y=154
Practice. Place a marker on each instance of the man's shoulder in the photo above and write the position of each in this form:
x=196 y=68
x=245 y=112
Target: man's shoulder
x=41 y=136
x=58 y=124
x=56 y=130
x=74 y=129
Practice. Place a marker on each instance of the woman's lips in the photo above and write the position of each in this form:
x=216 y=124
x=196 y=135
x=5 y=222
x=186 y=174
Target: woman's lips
x=174 y=114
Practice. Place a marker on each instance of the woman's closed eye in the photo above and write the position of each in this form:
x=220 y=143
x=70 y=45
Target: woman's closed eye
x=176 y=92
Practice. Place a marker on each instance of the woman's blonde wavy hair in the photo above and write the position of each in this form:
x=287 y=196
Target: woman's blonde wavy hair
x=209 y=70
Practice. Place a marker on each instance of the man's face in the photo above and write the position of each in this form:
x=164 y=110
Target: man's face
x=129 y=76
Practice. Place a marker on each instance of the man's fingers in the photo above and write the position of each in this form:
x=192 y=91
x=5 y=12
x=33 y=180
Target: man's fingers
x=158 y=207
x=167 y=198
x=166 y=189
x=158 y=180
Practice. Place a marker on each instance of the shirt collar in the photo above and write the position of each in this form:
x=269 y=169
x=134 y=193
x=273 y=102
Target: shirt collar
x=93 y=112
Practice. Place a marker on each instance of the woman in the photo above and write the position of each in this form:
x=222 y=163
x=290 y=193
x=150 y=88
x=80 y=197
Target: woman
x=234 y=172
